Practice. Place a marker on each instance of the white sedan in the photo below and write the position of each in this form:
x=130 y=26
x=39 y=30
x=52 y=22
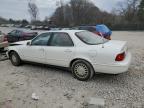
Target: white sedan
x=83 y=52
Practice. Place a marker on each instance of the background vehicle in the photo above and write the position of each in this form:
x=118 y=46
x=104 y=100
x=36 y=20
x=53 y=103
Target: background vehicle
x=46 y=28
x=88 y=28
x=81 y=51
x=40 y=28
x=55 y=29
x=33 y=27
x=3 y=41
x=19 y=35
x=65 y=28
x=101 y=30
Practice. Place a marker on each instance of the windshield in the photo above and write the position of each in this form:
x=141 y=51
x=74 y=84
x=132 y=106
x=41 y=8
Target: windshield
x=90 y=38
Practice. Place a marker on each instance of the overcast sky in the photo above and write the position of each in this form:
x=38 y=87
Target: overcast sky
x=17 y=9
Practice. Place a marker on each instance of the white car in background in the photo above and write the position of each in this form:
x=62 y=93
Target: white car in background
x=83 y=52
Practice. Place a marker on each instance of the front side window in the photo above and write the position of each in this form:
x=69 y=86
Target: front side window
x=90 y=38
x=61 y=39
x=41 y=40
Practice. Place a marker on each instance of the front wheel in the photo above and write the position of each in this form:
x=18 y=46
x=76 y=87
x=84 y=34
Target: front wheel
x=82 y=70
x=15 y=59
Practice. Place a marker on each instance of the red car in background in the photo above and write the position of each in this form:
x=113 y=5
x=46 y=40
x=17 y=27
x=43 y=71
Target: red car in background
x=93 y=29
x=19 y=35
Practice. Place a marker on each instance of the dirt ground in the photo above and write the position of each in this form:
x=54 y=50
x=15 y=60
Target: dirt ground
x=57 y=88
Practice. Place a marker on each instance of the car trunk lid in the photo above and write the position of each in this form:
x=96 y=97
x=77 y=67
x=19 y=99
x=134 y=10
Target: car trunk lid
x=120 y=46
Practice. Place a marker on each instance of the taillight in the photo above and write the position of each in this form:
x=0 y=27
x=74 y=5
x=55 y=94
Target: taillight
x=5 y=38
x=120 y=57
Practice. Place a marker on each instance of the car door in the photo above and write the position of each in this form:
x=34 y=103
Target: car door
x=61 y=50
x=35 y=51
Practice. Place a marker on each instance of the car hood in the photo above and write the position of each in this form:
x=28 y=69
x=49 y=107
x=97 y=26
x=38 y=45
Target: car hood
x=19 y=43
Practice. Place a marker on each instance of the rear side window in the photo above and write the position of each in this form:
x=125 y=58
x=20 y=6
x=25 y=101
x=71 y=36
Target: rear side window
x=41 y=40
x=61 y=39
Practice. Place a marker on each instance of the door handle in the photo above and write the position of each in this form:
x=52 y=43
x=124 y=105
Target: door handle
x=68 y=51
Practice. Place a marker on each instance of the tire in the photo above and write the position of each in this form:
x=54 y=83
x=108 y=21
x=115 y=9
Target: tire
x=15 y=59
x=1 y=50
x=82 y=70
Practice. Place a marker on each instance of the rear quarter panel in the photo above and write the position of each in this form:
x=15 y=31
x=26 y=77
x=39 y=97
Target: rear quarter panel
x=105 y=55
x=97 y=54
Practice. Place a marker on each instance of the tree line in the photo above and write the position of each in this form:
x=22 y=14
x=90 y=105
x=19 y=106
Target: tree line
x=128 y=15
x=22 y=22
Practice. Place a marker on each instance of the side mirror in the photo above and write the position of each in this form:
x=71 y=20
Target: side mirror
x=29 y=43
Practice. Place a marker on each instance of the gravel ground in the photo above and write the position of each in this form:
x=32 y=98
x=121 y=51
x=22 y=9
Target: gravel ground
x=57 y=88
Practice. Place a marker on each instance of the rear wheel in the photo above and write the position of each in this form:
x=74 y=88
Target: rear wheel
x=82 y=70
x=15 y=59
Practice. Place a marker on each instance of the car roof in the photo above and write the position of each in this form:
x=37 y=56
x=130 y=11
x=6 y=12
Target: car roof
x=66 y=31
x=86 y=26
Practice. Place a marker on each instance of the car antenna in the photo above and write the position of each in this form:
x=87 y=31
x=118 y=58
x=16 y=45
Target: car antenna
x=102 y=39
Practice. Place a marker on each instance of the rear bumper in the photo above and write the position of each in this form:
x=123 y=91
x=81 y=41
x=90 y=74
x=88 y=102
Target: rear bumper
x=118 y=67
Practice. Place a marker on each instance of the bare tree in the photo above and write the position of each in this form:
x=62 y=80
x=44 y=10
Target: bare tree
x=141 y=12
x=78 y=12
x=33 y=11
x=128 y=9
x=83 y=11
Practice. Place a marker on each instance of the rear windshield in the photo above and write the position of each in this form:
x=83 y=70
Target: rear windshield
x=90 y=38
